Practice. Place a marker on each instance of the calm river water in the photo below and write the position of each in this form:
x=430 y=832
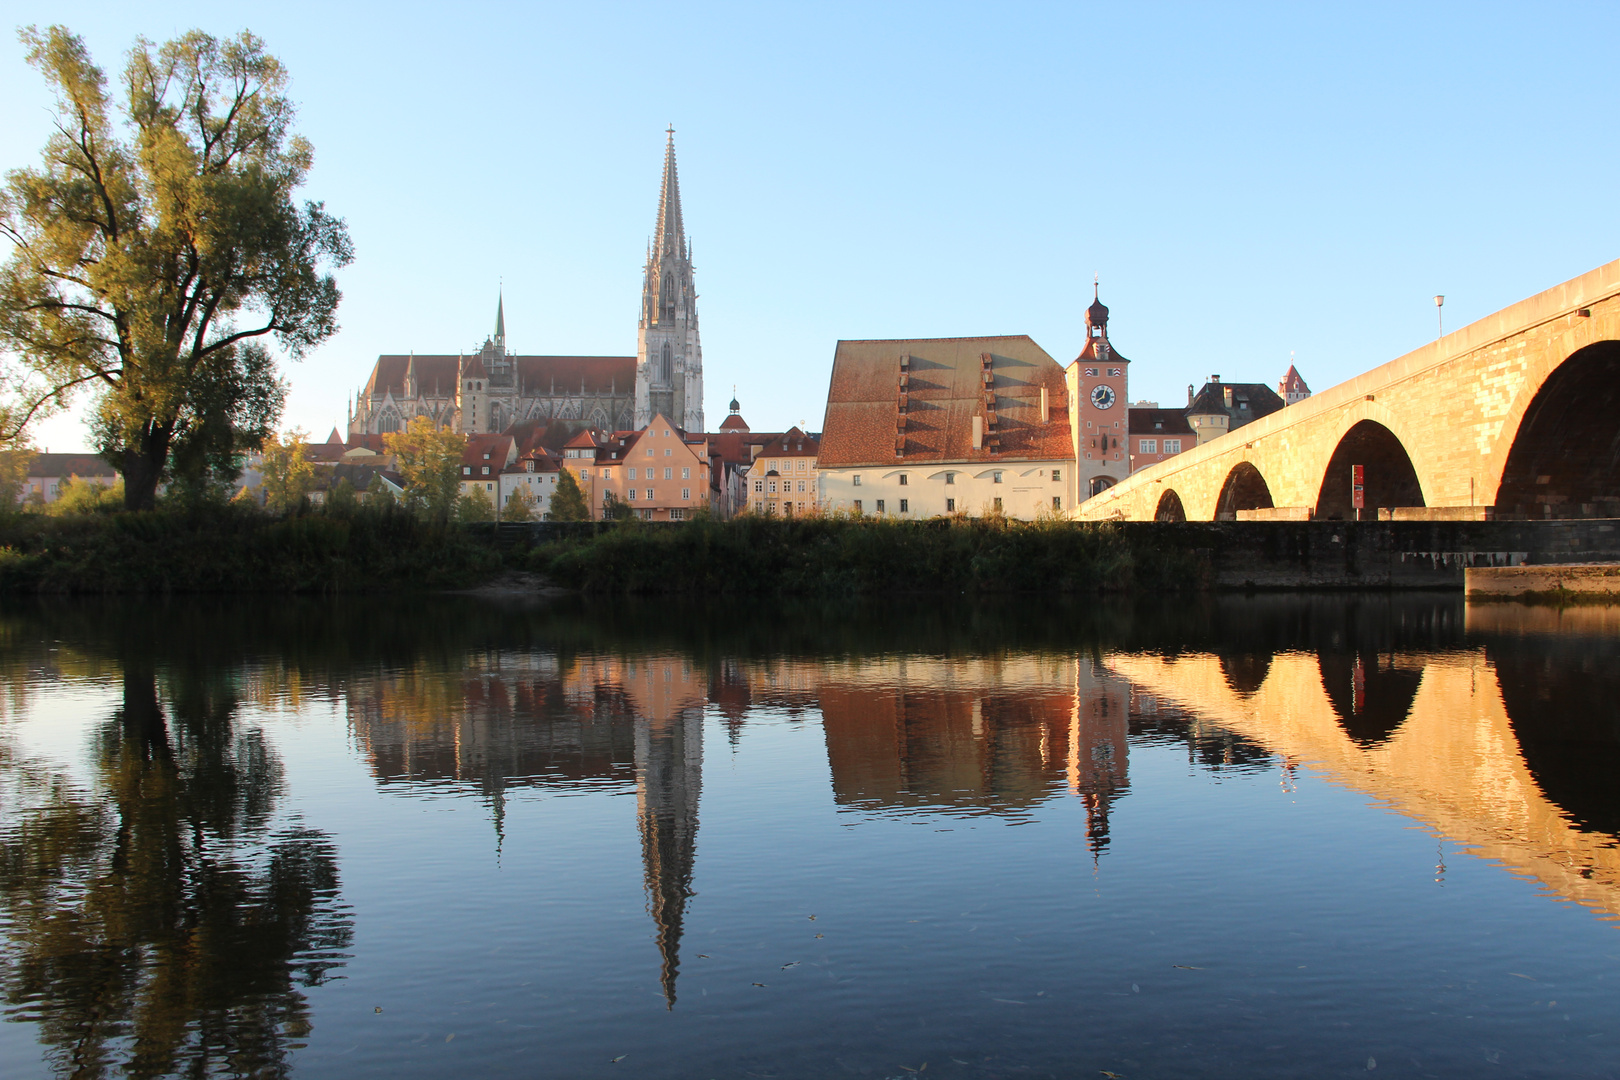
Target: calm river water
x=1239 y=837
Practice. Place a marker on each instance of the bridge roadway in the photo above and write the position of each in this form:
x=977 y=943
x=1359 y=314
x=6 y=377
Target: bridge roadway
x=1516 y=415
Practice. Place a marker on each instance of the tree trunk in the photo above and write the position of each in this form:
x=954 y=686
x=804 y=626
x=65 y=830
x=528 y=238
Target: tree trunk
x=143 y=468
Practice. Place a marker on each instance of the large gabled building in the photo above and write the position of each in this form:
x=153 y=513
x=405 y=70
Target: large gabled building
x=921 y=427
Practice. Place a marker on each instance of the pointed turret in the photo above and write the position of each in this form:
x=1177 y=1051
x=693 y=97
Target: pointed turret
x=500 y=319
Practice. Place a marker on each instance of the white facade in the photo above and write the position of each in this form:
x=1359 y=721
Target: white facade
x=1025 y=490
x=540 y=485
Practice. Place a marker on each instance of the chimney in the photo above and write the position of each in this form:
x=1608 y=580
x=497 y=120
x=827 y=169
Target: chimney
x=1189 y=395
x=1228 y=397
x=978 y=433
x=1215 y=378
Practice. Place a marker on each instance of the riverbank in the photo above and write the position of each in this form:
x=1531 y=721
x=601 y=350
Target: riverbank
x=229 y=549
x=848 y=557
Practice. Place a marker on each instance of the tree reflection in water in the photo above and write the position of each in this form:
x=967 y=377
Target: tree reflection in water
x=162 y=924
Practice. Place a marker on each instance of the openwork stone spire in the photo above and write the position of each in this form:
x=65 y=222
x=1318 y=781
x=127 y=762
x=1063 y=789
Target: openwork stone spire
x=669 y=357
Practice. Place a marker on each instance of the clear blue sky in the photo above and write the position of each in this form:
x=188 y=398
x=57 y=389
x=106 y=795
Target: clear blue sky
x=1248 y=183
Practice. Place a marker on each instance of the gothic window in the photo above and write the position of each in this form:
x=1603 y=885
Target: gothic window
x=664 y=364
x=668 y=298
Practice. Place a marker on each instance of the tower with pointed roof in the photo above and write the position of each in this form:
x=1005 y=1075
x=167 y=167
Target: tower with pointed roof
x=669 y=356
x=1099 y=424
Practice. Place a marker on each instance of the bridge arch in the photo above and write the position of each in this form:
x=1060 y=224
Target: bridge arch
x=1390 y=478
x=1565 y=454
x=1170 y=508
x=1244 y=489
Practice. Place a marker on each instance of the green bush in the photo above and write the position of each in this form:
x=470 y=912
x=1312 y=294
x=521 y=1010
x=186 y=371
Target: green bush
x=230 y=548
x=853 y=556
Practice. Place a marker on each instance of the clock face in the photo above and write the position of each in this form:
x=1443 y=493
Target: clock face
x=1102 y=396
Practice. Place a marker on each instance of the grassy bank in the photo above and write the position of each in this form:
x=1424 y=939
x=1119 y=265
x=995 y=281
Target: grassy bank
x=845 y=557
x=231 y=549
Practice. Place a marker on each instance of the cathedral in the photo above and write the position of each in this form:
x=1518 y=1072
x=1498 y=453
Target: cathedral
x=493 y=388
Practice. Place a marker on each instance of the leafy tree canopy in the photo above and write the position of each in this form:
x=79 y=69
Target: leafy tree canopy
x=157 y=248
x=568 y=502
x=519 y=506
x=288 y=474
x=475 y=506
x=430 y=462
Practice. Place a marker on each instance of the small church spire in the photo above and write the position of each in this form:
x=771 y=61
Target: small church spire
x=500 y=316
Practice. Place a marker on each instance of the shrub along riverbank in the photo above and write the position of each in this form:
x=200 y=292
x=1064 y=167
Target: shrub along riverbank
x=230 y=549
x=848 y=557
x=235 y=549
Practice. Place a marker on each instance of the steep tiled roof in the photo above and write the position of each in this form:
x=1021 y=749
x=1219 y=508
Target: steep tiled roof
x=1293 y=382
x=1159 y=422
x=1250 y=401
x=944 y=391
x=498 y=447
x=734 y=423
x=437 y=376
x=44 y=466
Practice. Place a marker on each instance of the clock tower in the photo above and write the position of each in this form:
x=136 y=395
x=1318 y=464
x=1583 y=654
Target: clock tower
x=1099 y=421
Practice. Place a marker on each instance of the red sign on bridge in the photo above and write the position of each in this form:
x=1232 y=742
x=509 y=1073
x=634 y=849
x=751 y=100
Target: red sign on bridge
x=1358 y=487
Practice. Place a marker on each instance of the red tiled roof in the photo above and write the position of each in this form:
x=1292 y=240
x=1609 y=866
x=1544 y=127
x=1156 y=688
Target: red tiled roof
x=437 y=375
x=583 y=439
x=45 y=466
x=373 y=443
x=1293 y=383
x=498 y=447
x=734 y=422
x=944 y=391
x=324 y=452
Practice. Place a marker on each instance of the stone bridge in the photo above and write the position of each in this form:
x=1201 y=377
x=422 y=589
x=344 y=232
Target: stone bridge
x=1516 y=415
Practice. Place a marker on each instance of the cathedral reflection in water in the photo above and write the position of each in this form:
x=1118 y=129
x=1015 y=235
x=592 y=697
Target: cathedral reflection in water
x=1454 y=733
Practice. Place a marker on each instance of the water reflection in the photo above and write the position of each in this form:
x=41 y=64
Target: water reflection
x=163 y=921
x=170 y=917
x=1502 y=739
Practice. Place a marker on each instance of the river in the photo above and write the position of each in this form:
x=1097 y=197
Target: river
x=1220 y=836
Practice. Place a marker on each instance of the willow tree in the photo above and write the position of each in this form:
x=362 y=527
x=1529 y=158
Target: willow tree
x=156 y=251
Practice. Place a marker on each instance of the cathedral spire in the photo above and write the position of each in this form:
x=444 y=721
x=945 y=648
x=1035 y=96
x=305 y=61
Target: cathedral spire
x=669 y=358
x=500 y=317
x=670 y=236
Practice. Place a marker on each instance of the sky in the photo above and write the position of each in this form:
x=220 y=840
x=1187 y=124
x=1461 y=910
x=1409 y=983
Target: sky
x=1251 y=184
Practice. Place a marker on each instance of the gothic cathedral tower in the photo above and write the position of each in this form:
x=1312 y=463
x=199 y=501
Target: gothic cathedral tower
x=669 y=358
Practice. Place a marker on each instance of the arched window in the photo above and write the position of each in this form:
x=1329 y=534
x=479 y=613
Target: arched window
x=668 y=297
x=664 y=364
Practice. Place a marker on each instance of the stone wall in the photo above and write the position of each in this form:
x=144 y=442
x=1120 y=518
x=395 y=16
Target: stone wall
x=1376 y=554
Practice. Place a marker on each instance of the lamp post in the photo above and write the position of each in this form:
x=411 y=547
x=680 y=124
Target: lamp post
x=1439 y=319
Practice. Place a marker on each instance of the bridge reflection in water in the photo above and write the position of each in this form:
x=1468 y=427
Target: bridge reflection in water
x=1500 y=746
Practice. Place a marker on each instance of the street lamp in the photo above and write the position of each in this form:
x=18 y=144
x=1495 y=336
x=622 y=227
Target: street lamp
x=1439 y=319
